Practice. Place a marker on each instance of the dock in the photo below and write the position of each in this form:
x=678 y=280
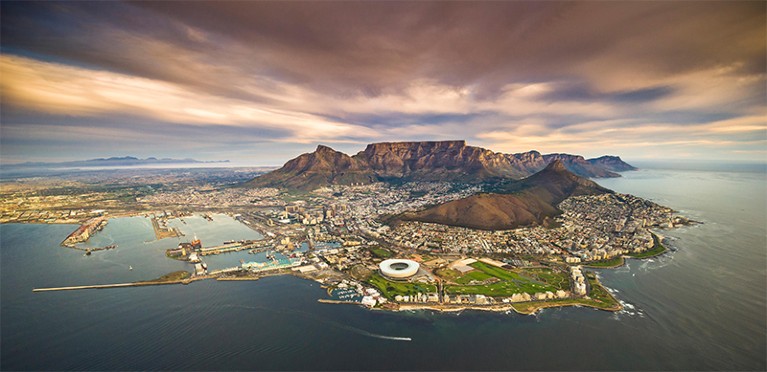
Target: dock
x=162 y=230
x=256 y=245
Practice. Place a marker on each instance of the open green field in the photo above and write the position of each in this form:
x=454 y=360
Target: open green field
x=390 y=288
x=509 y=282
x=657 y=249
x=380 y=252
x=599 y=294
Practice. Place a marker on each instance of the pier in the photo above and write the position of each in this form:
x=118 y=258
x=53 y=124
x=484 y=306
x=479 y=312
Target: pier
x=124 y=285
x=102 y=286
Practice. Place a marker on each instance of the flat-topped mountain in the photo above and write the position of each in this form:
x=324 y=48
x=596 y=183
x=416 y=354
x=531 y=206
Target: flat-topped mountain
x=534 y=200
x=435 y=161
x=450 y=161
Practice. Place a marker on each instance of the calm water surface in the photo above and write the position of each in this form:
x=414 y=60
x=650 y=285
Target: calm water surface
x=699 y=307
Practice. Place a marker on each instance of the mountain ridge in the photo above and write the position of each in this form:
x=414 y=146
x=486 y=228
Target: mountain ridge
x=111 y=161
x=449 y=161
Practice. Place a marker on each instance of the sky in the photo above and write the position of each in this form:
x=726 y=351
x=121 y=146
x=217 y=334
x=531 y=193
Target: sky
x=258 y=83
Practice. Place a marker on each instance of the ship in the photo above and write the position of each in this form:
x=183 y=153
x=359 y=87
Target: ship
x=196 y=243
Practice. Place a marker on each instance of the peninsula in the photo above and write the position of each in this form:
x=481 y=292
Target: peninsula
x=421 y=225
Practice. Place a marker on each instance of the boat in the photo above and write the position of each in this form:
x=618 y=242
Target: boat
x=196 y=243
x=130 y=267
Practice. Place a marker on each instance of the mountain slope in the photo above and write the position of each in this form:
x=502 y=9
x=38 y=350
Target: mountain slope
x=320 y=168
x=580 y=166
x=532 y=201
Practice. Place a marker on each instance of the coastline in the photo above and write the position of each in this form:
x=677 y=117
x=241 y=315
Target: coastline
x=608 y=302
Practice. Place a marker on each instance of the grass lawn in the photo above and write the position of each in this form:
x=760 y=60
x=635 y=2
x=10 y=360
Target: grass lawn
x=475 y=275
x=528 y=281
x=598 y=298
x=390 y=288
x=560 y=280
x=657 y=249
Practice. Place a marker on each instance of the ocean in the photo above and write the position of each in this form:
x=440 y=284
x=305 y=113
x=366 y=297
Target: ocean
x=700 y=307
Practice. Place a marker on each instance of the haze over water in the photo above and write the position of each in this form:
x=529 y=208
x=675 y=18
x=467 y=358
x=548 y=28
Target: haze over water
x=702 y=306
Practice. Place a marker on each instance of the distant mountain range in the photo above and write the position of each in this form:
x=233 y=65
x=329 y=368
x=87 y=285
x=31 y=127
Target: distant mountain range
x=450 y=161
x=532 y=201
x=110 y=162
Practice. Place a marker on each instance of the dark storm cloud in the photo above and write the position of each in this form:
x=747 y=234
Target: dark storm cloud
x=120 y=38
x=379 y=46
x=353 y=47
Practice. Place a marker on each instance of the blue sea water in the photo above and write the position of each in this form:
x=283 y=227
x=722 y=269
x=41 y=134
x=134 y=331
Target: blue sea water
x=700 y=307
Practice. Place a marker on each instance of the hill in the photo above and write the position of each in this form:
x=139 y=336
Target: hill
x=529 y=202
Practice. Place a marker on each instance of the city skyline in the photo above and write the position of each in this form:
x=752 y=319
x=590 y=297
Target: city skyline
x=259 y=82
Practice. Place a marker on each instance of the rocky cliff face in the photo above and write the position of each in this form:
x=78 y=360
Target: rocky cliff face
x=450 y=161
x=444 y=160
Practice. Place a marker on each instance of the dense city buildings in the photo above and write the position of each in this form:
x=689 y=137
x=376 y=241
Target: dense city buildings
x=339 y=235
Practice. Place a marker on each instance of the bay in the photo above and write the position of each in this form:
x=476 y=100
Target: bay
x=701 y=306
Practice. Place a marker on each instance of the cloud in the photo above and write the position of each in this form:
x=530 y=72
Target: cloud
x=639 y=139
x=514 y=76
x=66 y=90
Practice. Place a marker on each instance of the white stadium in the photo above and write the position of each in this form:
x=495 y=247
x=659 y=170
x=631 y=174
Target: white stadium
x=398 y=268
